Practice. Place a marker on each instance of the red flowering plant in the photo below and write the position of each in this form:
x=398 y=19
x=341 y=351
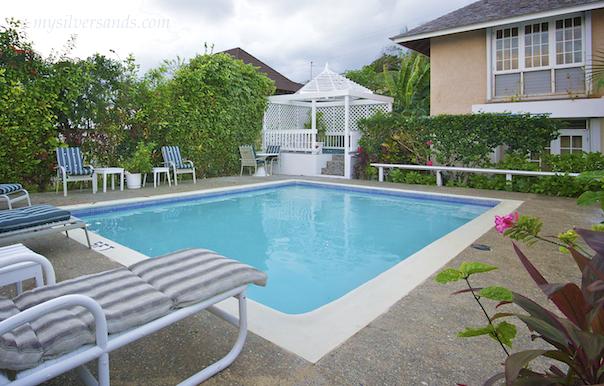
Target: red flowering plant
x=574 y=335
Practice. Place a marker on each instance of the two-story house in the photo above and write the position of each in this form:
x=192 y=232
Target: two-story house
x=519 y=56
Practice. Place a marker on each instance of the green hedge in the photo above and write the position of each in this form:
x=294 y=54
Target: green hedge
x=208 y=106
x=461 y=140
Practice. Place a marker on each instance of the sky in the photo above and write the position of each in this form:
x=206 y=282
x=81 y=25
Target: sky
x=286 y=34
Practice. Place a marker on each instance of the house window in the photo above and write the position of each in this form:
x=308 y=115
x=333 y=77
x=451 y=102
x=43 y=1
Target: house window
x=536 y=47
x=539 y=58
x=507 y=49
x=569 y=41
x=571 y=144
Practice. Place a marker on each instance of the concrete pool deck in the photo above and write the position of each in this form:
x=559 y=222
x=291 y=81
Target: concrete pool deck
x=413 y=343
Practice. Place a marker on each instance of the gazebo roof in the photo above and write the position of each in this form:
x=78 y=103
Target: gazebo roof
x=329 y=86
x=329 y=81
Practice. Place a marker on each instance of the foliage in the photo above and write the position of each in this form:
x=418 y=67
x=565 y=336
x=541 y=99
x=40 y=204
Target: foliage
x=207 y=106
x=591 y=197
x=27 y=132
x=410 y=86
x=212 y=104
x=411 y=177
x=575 y=334
x=140 y=161
x=587 y=186
x=461 y=140
x=320 y=124
x=404 y=76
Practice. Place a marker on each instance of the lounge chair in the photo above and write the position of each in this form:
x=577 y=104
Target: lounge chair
x=174 y=161
x=249 y=159
x=71 y=168
x=116 y=308
x=12 y=193
x=37 y=220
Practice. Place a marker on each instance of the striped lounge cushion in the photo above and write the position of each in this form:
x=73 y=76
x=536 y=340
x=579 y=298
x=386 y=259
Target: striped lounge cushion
x=194 y=275
x=20 y=347
x=71 y=159
x=172 y=157
x=130 y=297
x=127 y=301
x=10 y=188
x=31 y=216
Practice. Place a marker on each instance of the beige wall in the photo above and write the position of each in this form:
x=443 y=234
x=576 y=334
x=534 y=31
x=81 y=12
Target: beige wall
x=458 y=73
x=597 y=37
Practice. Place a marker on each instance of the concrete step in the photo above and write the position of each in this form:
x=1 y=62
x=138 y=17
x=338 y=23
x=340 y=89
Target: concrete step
x=335 y=167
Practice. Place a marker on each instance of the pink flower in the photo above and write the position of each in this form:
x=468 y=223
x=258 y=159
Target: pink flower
x=359 y=150
x=504 y=222
x=429 y=163
x=429 y=142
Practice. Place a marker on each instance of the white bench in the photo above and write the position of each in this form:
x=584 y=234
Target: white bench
x=440 y=169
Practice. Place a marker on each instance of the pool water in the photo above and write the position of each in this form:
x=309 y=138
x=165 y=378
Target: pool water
x=316 y=243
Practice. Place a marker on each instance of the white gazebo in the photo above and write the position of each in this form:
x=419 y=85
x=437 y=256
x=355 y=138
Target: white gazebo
x=330 y=101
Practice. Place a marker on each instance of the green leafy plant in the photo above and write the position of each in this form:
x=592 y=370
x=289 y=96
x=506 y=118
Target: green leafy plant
x=140 y=161
x=575 y=335
x=592 y=197
x=320 y=124
x=208 y=106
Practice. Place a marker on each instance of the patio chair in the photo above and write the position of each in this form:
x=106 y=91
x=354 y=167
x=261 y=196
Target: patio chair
x=174 y=161
x=55 y=328
x=249 y=159
x=71 y=168
x=12 y=193
x=37 y=220
x=273 y=149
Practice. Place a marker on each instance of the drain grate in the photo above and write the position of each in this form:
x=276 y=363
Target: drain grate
x=481 y=247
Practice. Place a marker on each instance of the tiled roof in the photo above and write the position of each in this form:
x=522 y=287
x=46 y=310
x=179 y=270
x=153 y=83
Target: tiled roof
x=283 y=84
x=491 y=10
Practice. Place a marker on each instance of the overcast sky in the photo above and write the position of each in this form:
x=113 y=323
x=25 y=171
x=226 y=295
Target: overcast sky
x=286 y=34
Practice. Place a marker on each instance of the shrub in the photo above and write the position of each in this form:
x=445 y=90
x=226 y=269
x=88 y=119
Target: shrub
x=27 y=132
x=411 y=177
x=140 y=161
x=461 y=140
x=574 y=335
x=207 y=106
x=214 y=103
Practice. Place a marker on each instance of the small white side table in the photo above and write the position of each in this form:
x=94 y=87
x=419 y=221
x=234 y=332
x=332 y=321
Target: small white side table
x=157 y=171
x=30 y=266
x=261 y=170
x=111 y=171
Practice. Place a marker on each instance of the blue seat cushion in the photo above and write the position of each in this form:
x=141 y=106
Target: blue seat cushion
x=11 y=220
x=10 y=188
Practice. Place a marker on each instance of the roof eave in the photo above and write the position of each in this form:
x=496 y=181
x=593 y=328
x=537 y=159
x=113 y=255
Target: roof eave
x=510 y=20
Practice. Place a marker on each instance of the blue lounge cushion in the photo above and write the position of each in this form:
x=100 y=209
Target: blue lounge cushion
x=20 y=218
x=172 y=157
x=71 y=159
x=10 y=188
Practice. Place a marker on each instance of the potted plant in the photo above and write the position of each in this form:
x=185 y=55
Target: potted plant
x=137 y=164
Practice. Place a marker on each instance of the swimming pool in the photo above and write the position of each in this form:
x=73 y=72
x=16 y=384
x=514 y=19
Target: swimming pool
x=315 y=242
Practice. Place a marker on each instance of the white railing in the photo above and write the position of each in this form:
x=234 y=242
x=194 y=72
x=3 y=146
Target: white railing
x=440 y=169
x=333 y=140
x=292 y=140
x=302 y=139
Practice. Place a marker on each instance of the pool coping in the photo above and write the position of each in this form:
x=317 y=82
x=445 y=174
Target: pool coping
x=314 y=334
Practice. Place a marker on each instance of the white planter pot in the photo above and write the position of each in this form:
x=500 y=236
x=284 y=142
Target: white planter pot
x=133 y=180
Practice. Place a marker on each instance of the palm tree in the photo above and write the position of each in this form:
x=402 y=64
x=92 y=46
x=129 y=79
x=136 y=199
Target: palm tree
x=410 y=85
